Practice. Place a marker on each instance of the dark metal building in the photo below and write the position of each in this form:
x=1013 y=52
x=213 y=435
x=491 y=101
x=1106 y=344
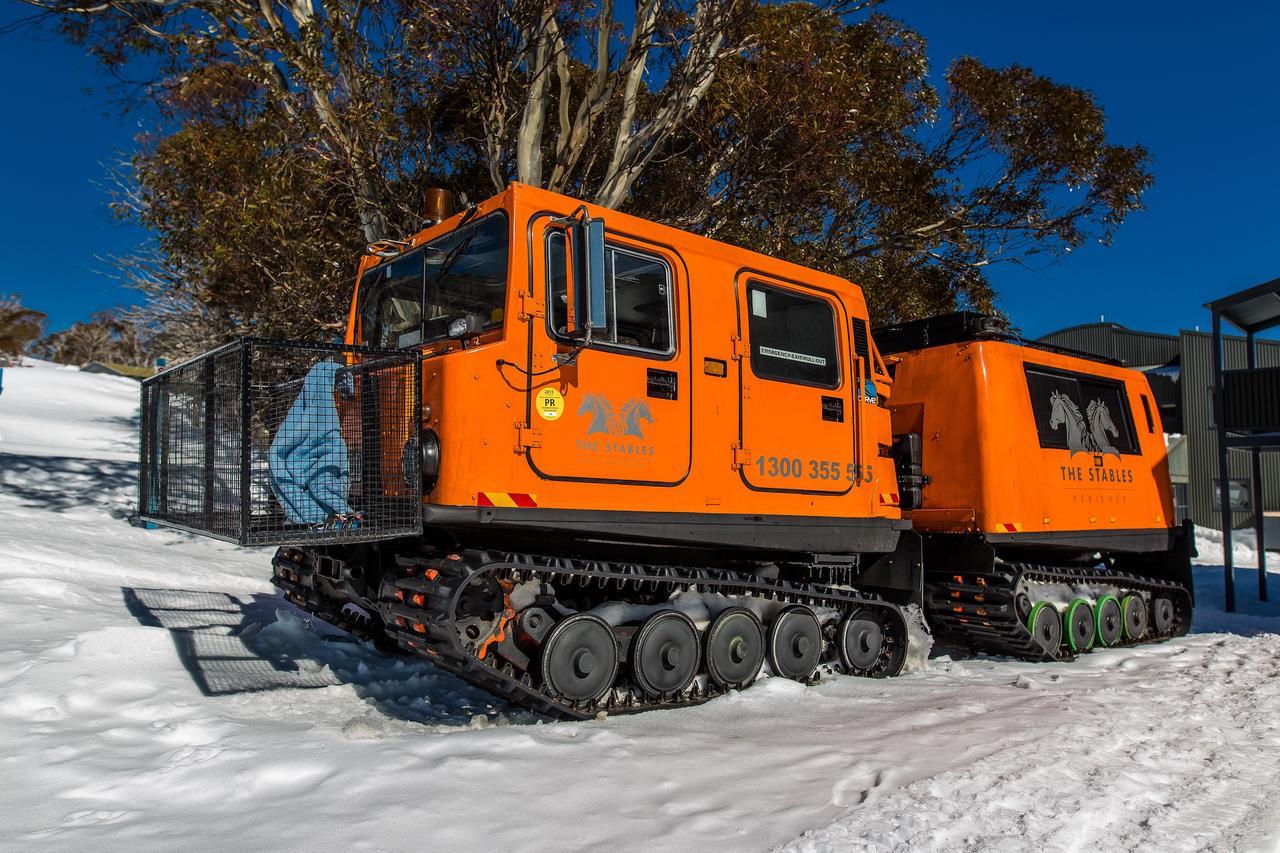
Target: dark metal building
x=1141 y=350
x=1180 y=369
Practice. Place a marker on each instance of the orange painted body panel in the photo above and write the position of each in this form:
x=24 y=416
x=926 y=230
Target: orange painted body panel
x=982 y=452
x=735 y=443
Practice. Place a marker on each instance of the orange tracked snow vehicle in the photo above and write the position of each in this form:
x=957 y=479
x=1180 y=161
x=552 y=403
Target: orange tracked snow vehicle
x=591 y=463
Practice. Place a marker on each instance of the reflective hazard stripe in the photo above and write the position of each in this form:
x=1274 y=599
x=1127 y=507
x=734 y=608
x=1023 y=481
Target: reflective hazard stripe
x=889 y=498
x=1011 y=527
x=506 y=499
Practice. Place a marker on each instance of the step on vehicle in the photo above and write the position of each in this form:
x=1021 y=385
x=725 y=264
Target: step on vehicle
x=592 y=463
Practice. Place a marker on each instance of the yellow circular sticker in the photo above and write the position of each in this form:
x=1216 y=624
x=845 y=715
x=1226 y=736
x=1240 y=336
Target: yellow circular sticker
x=550 y=404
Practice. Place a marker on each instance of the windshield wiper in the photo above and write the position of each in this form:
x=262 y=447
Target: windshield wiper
x=453 y=255
x=445 y=265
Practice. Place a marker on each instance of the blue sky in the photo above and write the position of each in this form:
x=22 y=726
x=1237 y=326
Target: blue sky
x=1198 y=85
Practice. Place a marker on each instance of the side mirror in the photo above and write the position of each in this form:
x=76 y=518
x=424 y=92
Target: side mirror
x=586 y=293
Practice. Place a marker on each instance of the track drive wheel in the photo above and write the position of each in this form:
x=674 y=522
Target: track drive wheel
x=795 y=642
x=1110 y=620
x=1134 y=609
x=735 y=648
x=664 y=654
x=861 y=641
x=1079 y=625
x=1162 y=615
x=580 y=658
x=1046 y=627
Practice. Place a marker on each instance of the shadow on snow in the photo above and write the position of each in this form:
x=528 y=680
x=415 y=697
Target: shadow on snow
x=63 y=483
x=233 y=646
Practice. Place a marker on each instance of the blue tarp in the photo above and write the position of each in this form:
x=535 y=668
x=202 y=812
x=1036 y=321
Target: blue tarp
x=310 y=471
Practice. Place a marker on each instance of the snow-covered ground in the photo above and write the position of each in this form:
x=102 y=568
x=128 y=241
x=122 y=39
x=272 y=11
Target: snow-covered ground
x=156 y=694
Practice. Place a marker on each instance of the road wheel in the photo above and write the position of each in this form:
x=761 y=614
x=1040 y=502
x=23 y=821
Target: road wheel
x=735 y=648
x=795 y=643
x=1079 y=625
x=1110 y=620
x=580 y=658
x=664 y=654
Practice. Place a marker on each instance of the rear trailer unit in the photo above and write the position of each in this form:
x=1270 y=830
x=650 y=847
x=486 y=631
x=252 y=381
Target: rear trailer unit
x=1037 y=477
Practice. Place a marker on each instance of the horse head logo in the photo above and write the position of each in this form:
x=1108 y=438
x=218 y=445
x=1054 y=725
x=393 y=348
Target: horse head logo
x=600 y=410
x=627 y=421
x=1066 y=413
x=1100 y=424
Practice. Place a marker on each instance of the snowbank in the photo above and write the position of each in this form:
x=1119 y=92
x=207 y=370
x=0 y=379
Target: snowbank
x=1244 y=549
x=50 y=409
x=156 y=694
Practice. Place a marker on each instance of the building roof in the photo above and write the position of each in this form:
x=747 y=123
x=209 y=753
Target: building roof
x=117 y=369
x=1251 y=310
x=1133 y=348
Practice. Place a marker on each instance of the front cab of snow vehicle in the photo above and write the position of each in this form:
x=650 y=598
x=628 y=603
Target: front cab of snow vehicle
x=650 y=464
x=694 y=395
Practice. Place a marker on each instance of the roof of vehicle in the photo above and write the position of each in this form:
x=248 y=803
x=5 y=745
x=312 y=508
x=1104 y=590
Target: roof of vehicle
x=964 y=327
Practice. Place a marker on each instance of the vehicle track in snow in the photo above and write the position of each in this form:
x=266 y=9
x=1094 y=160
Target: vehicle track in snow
x=1180 y=750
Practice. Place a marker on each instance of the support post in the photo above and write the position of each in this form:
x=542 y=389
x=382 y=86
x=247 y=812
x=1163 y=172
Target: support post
x=246 y=437
x=1224 y=474
x=210 y=439
x=1259 y=519
x=146 y=474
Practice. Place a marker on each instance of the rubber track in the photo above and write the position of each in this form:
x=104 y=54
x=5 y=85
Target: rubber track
x=977 y=608
x=431 y=630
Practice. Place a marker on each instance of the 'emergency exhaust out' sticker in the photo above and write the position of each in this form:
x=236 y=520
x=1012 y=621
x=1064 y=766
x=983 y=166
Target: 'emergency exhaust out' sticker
x=550 y=404
x=792 y=356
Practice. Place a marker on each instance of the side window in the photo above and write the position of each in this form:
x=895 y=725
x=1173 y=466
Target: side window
x=1106 y=409
x=638 y=301
x=793 y=337
x=1055 y=400
x=1080 y=413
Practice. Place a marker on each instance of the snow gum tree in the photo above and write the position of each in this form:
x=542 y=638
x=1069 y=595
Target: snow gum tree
x=287 y=135
x=19 y=326
x=107 y=336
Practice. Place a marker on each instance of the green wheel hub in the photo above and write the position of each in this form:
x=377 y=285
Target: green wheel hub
x=1045 y=626
x=1109 y=620
x=1079 y=625
x=1134 y=609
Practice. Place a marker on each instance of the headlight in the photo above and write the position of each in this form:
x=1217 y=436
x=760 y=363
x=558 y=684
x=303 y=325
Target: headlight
x=420 y=460
x=429 y=459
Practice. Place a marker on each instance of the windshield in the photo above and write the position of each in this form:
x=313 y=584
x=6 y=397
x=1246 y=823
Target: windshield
x=412 y=299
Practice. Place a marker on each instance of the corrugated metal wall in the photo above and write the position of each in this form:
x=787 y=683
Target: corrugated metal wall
x=1252 y=398
x=1136 y=349
x=1197 y=415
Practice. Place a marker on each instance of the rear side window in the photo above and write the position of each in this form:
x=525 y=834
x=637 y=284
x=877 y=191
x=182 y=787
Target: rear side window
x=793 y=337
x=1080 y=413
x=1146 y=410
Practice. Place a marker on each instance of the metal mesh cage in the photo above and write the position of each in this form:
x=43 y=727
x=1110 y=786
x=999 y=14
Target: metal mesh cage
x=278 y=442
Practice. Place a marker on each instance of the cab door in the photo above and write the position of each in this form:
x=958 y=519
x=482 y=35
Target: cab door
x=797 y=422
x=617 y=409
